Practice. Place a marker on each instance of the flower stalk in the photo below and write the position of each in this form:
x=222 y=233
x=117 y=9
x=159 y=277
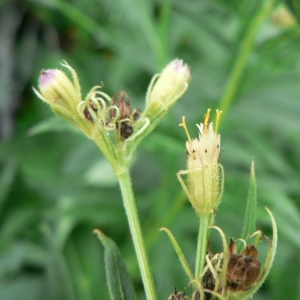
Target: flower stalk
x=136 y=231
x=202 y=240
x=98 y=115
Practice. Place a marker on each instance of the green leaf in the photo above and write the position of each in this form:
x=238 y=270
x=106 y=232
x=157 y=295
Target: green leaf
x=251 y=206
x=179 y=252
x=119 y=283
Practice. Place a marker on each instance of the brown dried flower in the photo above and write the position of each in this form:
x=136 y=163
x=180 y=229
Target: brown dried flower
x=244 y=269
x=124 y=117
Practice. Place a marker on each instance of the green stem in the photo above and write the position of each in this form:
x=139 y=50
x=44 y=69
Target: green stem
x=136 y=231
x=246 y=48
x=202 y=244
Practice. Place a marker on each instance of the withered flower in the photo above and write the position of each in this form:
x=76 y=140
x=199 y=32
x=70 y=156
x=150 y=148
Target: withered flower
x=122 y=114
x=208 y=283
x=243 y=269
x=177 y=295
x=87 y=113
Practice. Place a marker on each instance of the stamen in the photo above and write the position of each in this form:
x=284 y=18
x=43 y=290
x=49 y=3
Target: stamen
x=218 y=117
x=206 y=118
x=183 y=124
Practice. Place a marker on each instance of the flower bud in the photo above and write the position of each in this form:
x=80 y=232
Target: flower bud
x=282 y=17
x=202 y=171
x=56 y=88
x=166 y=88
x=62 y=94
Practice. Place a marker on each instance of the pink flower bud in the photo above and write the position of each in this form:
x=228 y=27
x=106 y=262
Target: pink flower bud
x=166 y=88
x=57 y=90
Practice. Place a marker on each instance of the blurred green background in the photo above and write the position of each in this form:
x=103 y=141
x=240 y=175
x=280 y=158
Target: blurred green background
x=55 y=186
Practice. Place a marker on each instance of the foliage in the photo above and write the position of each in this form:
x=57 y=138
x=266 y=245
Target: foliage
x=55 y=187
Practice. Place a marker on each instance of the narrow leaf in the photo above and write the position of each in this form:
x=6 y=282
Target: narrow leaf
x=119 y=283
x=179 y=252
x=251 y=206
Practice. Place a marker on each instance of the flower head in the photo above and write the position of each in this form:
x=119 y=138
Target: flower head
x=202 y=172
x=56 y=89
x=166 y=88
x=204 y=152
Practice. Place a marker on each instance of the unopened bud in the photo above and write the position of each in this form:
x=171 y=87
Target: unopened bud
x=56 y=88
x=166 y=88
x=283 y=17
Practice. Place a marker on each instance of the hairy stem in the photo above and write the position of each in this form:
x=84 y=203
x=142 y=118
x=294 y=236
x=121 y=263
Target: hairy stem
x=136 y=231
x=202 y=244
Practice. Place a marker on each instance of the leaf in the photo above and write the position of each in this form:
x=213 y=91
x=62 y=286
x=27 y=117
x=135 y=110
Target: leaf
x=179 y=252
x=119 y=283
x=251 y=206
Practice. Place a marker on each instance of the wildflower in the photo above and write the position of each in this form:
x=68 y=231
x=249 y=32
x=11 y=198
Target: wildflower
x=166 y=88
x=203 y=189
x=56 y=89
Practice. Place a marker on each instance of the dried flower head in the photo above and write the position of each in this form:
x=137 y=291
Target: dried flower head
x=243 y=269
x=177 y=295
x=87 y=113
x=122 y=114
x=238 y=275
